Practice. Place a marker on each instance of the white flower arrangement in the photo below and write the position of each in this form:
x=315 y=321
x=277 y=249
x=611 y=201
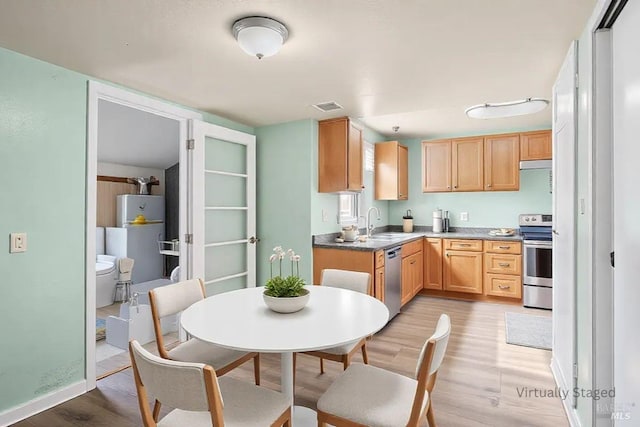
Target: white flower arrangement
x=280 y=286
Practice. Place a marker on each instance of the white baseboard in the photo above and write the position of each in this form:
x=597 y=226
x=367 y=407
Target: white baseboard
x=572 y=415
x=42 y=403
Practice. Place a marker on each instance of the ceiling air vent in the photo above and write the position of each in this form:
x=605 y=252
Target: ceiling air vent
x=328 y=106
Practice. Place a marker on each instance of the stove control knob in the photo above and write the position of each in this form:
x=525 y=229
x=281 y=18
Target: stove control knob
x=526 y=218
x=534 y=218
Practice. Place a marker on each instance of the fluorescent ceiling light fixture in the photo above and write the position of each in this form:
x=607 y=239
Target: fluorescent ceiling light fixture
x=507 y=109
x=259 y=36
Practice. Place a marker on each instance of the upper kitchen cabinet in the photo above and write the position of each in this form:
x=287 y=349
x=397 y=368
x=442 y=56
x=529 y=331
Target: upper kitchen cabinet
x=467 y=165
x=391 y=171
x=535 y=145
x=339 y=156
x=436 y=166
x=501 y=162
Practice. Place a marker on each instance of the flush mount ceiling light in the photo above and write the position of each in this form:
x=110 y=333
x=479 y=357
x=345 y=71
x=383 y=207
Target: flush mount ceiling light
x=260 y=36
x=507 y=109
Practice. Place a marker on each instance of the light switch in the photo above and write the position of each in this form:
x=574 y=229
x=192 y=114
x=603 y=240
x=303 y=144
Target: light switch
x=325 y=215
x=18 y=242
x=464 y=216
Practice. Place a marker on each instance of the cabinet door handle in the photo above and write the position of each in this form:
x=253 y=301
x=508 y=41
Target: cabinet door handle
x=448 y=187
x=464 y=244
x=504 y=264
x=413 y=262
x=447 y=254
x=455 y=186
x=504 y=286
x=504 y=247
x=488 y=185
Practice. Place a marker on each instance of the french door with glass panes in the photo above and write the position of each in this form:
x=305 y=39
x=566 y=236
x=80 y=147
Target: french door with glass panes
x=223 y=207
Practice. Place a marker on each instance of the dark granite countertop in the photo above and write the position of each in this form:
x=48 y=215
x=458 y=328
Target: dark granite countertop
x=388 y=237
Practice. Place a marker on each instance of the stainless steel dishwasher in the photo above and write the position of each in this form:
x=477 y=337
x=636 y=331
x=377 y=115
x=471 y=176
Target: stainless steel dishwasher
x=392 y=279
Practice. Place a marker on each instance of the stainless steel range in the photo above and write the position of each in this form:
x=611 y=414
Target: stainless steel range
x=537 y=280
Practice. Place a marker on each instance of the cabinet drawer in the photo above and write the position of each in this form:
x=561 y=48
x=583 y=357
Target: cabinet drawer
x=411 y=248
x=502 y=247
x=379 y=260
x=463 y=245
x=503 y=264
x=502 y=285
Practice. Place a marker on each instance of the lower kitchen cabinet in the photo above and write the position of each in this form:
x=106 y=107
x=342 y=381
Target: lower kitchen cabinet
x=503 y=285
x=378 y=284
x=412 y=272
x=365 y=261
x=411 y=276
x=433 y=263
x=463 y=271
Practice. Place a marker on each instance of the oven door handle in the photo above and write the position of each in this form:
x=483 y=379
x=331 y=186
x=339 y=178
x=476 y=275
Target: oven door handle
x=538 y=244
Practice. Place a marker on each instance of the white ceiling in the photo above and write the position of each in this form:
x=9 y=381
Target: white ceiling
x=413 y=63
x=127 y=136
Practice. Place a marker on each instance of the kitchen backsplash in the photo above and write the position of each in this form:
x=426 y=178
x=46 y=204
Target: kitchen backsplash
x=484 y=209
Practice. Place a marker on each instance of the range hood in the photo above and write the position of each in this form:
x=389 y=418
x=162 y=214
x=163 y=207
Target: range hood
x=535 y=164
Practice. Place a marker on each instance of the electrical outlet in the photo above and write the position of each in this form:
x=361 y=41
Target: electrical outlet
x=464 y=216
x=325 y=215
x=18 y=242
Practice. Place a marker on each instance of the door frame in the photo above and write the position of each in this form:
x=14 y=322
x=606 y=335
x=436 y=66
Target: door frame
x=99 y=91
x=597 y=80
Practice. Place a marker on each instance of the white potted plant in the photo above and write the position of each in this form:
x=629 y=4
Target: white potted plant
x=285 y=294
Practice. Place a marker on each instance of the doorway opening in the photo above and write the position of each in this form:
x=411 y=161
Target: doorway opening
x=137 y=211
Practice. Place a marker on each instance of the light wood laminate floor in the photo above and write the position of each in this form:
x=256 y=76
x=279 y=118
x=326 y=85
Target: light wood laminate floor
x=477 y=385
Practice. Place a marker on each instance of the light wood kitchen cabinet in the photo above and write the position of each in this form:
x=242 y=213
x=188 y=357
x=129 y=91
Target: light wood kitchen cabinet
x=453 y=165
x=536 y=145
x=432 y=263
x=503 y=285
x=463 y=271
x=412 y=270
x=436 y=166
x=378 y=284
x=391 y=171
x=365 y=261
x=339 y=156
x=502 y=162
x=502 y=247
x=468 y=245
x=481 y=163
x=503 y=269
x=503 y=263
x=343 y=260
x=411 y=276
x=467 y=164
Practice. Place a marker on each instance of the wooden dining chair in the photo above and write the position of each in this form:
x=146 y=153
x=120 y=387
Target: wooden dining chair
x=196 y=393
x=171 y=299
x=365 y=395
x=354 y=281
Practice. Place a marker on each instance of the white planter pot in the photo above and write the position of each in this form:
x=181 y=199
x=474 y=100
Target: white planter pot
x=287 y=305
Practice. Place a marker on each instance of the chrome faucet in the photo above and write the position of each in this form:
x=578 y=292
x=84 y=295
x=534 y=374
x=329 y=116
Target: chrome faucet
x=370 y=226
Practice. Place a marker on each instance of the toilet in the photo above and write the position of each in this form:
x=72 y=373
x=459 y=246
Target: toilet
x=106 y=272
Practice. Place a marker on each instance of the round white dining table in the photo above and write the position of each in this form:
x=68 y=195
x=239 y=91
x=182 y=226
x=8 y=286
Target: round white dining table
x=240 y=320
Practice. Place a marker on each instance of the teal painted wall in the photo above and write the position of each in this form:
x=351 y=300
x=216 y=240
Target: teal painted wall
x=486 y=209
x=289 y=205
x=42 y=170
x=43 y=174
x=284 y=175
